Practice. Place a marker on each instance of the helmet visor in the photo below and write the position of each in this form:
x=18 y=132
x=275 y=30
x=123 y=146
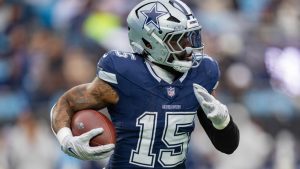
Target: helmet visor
x=178 y=41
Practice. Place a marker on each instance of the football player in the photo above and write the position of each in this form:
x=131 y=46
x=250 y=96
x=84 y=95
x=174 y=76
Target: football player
x=153 y=95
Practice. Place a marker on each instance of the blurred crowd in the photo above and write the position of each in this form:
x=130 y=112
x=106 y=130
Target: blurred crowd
x=49 y=46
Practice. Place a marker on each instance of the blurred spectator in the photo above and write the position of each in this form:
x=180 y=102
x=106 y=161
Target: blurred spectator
x=77 y=69
x=30 y=144
x=285 y=155
x=254 y=148
x=3 y=149
x=13 y=69
x=99 y=23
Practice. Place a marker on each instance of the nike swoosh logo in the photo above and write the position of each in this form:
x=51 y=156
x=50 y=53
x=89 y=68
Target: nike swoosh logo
x=70 y=149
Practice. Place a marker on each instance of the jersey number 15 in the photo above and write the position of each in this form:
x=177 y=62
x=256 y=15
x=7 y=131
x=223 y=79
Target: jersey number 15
x=172 y=138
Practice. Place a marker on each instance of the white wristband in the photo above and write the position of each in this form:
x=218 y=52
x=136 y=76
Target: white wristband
x=63 y=133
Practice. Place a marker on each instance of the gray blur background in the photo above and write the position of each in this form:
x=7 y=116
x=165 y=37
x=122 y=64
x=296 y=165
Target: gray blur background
x=49 y=46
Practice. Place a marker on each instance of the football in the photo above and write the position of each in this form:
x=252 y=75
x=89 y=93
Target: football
x=86 y=120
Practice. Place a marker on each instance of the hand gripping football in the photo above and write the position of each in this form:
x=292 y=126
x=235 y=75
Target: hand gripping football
x=86 y=120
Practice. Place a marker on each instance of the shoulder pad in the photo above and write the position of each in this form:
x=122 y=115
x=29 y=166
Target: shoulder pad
x=208 y=69
x=121 y=54
x=211 y=67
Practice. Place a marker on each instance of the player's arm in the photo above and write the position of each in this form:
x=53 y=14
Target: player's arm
x=216 y=121
x=95 y=95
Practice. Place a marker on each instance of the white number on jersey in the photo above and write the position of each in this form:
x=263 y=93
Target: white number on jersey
x=172 y=138
x=125 y=55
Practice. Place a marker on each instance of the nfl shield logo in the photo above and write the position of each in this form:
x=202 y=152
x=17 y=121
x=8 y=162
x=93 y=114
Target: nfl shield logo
x=171 y=91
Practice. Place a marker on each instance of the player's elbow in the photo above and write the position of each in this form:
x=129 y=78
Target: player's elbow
x=229 y=151
x=230 y=148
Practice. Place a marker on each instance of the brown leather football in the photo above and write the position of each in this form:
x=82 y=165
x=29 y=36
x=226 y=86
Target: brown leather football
x=86 y=120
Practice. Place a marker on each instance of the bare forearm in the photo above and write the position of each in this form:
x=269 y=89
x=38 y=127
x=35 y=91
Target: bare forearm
x=95 y=95
x=72 y=101
x=61 y=115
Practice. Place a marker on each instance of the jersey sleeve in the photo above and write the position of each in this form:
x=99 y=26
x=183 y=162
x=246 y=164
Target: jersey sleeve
x=106 y=69
x=212 y=72
x=216 y=75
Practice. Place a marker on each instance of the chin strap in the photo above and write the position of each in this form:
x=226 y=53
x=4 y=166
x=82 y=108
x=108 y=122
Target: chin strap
x=182 y=66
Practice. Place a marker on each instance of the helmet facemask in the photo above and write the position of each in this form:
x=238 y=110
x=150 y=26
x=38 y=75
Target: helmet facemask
x=181 y=46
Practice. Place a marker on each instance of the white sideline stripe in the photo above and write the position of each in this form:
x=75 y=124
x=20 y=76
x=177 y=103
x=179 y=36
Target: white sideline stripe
x=106 y=76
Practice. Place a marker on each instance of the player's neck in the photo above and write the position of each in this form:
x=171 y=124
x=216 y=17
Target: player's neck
x=166 y=73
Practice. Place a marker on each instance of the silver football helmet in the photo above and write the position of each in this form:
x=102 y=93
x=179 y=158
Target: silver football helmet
x=167 y=32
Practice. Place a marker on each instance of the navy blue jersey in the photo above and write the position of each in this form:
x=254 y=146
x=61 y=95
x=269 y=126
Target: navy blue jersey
x=153 y=119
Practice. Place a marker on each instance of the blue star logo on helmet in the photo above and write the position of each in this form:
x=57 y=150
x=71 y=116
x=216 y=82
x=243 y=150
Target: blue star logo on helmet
x=152 y=16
